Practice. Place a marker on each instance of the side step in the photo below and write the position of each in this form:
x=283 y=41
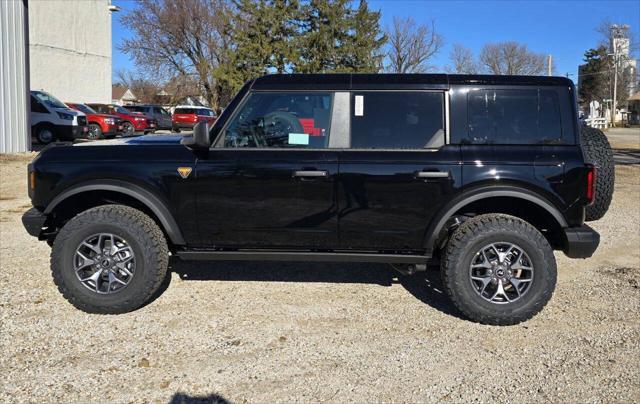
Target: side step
x=203 y=255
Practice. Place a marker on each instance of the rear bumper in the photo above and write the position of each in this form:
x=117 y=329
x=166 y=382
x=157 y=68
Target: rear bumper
x=580 y=242
x=33 y=221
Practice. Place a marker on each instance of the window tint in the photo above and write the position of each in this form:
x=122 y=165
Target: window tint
x=102 y=109
x=397 y=120
x=189 y=111
x=37 y=106
x=513 y=117
x=549 y=123
x=292 y=120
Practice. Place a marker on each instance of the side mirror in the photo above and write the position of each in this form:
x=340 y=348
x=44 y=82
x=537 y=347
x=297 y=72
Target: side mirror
x=199 y=139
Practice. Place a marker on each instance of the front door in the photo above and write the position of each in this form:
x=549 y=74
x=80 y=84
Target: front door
x=398 y=171
x=272 y=181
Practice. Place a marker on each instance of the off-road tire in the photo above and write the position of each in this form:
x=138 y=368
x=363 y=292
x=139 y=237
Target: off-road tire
x=468 y=239
x=598 y=152
x=144 y=237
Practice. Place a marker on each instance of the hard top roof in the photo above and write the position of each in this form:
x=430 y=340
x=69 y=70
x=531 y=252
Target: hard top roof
x=342 y=81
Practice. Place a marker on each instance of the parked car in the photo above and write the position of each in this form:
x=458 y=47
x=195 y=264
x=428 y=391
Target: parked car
x=132 y=122
x=485 y=175
x=101 y=126
x=186 y=116
x=157 y=112
x=52 y=120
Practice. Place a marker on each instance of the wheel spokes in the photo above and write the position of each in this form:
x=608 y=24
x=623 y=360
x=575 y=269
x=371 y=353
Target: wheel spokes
x=104 y=263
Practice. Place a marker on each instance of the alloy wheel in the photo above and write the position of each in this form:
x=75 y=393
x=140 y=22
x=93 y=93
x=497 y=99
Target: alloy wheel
x=501 y=272
x=104 y=263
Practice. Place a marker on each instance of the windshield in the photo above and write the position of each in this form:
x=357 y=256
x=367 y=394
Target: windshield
x=49 y=100
x=122 y=110
x=84 y=108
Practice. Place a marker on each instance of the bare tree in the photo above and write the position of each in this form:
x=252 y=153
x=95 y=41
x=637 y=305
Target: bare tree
x=411 y=46
x=187 y=38
x=462 y=60
x=512 y=58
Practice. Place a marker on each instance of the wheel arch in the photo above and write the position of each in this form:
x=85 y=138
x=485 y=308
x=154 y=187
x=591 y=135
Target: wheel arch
x=144 y=197
x=475 y=197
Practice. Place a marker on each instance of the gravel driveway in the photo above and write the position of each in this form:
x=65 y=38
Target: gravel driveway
x=264 y=332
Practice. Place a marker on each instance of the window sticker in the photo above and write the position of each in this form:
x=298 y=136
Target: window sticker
x=359 y=105
x=299 y=138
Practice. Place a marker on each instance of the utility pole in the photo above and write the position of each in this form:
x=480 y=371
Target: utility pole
x=549 y=66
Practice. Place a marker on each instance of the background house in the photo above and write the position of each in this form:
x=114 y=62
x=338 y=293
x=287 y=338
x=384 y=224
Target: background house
x=122 y=95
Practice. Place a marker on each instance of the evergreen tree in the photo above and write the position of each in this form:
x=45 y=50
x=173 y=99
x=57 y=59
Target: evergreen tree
x=337 y=38
x=594 y=84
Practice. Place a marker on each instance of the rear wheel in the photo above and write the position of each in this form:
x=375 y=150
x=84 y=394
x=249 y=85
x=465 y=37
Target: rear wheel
x=110 y=259
x=598 y=152
x=498 y=269
x=95 y=132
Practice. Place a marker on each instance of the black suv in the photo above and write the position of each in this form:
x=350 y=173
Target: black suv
x=484 y=174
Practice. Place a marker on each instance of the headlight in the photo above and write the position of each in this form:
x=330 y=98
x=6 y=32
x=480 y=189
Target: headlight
x=66 y=117
x=109 y=121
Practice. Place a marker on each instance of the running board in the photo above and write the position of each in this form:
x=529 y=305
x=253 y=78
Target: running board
x=300 y=256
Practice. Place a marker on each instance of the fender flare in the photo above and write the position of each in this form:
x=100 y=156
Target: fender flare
x=147 y=198
x=469 y=197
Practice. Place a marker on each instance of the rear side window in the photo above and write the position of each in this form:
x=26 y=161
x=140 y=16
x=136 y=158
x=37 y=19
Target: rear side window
x=185 y=111
x=513 y=117
x=297 y=120
x=397 y=120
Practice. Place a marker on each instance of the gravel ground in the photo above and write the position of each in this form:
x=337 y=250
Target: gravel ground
x=263 y=332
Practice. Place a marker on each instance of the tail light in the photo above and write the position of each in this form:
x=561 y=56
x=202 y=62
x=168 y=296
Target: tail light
x=195 y=118
x=591 y=183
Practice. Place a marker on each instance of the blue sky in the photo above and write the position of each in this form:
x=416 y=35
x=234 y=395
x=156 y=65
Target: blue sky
x=562 y=28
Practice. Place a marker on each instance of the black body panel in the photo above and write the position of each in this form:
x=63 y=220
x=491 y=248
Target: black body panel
x=355 y=202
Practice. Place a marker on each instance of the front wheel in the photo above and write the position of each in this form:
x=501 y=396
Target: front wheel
x=95 y=132
x=110 y=259
x=45 y=134
x=128 y=129
x=498 y=269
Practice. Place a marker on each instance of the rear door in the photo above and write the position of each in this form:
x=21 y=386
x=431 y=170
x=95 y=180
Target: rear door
x=267 y=183
x=398 y=171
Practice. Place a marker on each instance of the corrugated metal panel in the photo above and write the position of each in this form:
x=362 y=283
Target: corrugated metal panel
x=15 y=133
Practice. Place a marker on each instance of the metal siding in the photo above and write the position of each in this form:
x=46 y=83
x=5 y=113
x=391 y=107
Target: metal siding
x=15 y=135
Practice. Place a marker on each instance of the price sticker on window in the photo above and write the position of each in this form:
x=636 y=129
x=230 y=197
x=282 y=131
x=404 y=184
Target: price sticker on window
x=359 y=107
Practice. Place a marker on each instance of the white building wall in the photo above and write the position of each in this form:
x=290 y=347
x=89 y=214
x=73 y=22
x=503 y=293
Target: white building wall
x=15 y=135
x=70 y=49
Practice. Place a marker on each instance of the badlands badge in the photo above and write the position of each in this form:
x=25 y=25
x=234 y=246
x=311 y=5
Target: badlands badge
x=184 y=171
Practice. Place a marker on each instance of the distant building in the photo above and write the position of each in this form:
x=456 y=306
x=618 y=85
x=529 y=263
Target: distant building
x=70 y=49
x=62 y=47
x=122 y=95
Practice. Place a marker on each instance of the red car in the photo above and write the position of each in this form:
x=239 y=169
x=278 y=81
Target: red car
x=100 y=125
x=132 y=122
x=185 y=117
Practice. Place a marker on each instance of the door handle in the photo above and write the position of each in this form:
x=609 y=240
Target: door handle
x=311 y=173
x=432 y=174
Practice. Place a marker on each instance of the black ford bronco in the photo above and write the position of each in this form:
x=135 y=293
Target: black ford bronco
x=485 y=175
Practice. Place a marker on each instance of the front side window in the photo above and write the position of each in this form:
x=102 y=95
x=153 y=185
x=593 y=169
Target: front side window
x=122 y=110
x=397 y=120
x=513 y=117
x=36 y=106
x=283 y=120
